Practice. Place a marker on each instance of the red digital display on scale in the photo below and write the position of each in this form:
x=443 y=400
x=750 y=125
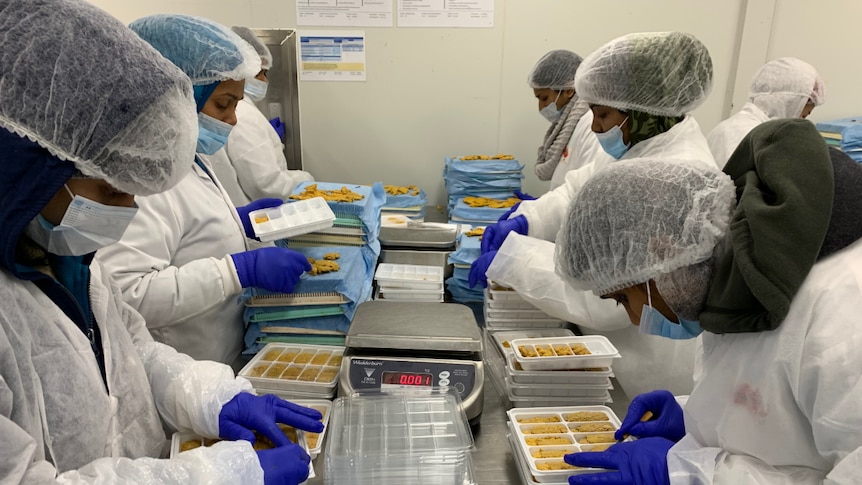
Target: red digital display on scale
x=407 y=379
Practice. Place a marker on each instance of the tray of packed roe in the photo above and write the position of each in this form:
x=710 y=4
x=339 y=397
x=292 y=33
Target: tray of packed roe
x=545 y=435
x=291 y=219
x=504 y=338
x=292 y=367
x=314 y=440
x=550 y=353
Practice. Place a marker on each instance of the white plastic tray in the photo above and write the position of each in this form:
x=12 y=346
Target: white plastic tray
x=521 y=431
x=602 y=352
x=504 y=338
x=532 y=401
x=387 y=286
x=517 y=314
x=408 y=295
x=314 y=440
x=410 y=276
x=295 y=367
x=553 y=391
x=557 y=377
x=526 y=477
x=508 y=303
x=291 y=219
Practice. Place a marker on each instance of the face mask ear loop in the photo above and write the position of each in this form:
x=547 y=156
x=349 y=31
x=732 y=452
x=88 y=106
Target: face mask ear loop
x=648 y=296
x=66 y=186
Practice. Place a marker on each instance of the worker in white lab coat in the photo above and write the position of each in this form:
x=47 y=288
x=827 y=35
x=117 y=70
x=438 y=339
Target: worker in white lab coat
x=781 y=88
x=778 y=382
x=85 y=393
x=252 y=164
x=186 y=256
x=640 y=88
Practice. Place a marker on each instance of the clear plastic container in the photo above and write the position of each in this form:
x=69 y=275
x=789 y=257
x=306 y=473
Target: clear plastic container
x=291 y=219
x=295 y=367
x=399 y=437
x=409 y=276
x=552 y=353
x=504 y=338
x=588 y=376
x=538 y=450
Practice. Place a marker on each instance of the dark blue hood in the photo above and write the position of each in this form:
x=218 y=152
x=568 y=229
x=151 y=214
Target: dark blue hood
x=29 y=178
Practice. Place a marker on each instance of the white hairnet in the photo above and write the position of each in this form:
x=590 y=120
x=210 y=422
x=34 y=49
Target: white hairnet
x=262 y=50
x=206 y=51
x=660 y=73
x=639 y=219
x=782 y=87
x=83 y=86
x=555 y=70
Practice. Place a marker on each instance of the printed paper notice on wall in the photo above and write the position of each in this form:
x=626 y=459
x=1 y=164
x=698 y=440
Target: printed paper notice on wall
x=332 y=55
x=445 y=13
x=344 y=13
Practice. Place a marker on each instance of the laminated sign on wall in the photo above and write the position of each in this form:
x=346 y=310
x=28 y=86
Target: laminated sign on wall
x=332 y=56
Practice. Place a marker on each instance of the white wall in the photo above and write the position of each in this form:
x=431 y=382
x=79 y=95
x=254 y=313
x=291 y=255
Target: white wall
x=437 y=92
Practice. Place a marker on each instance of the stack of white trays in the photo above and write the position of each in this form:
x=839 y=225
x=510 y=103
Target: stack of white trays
x=545 y=386
x=295 y=370
x=409 y=282
x=540 y=437
x=504 y=308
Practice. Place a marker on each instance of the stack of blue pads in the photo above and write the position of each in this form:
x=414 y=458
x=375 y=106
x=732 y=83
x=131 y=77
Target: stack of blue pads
x=844 y=134
x=468 y=250
x=410 y=205
x=493 y=179
x=307 y=319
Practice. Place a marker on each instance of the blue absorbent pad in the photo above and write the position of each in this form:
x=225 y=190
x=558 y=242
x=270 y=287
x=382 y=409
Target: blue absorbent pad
x=461 y=293
x=406 y=200
x=851 y=138
x=478 y=166
x=839 y=125
x=469 y=250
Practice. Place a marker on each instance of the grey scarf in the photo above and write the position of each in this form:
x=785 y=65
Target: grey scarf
x=558 y=136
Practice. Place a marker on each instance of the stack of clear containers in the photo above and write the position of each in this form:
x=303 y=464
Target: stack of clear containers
x=381 y=438
x=409 y=282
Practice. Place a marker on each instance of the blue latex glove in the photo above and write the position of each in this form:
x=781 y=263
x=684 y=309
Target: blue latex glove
x=520 y=195
x=667 y=420
x=524 y=195
x=478 y=269
x=278 y=126
x=273 y=269
x=253 y=206
x=640 y=462
x=285 y=465
x=246 y=413
x=495 y=234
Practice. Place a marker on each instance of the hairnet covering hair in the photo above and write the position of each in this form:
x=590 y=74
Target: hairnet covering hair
x=206 y=51
x=555 y=70
x=80 y=84
x=660 y=73
x=262 y=50
x=639 y=219
x=782 y=87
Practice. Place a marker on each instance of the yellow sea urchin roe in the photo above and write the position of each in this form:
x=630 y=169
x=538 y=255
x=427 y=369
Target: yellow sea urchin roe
x=527 y=351
x=275 y=370
x=271 y=354
x=580 y=349
x=539 y=419
x=331 y=256
x=261 y=218
x=304 y=357
x=479 y=231
x=594 y=427
x=341 y=195
x=546 y=429
x=586 y=416
x=555 y=465
x=601 y=447
x=562 y=349
x=547 y=440
x=309 y=374
x=189 y=445
x=258 y=370
x=288 y=355
x=492 y=203
x=335 y=360
x=597 y=438
x=292 y=372
x=544 y=351
x=327 y=375
x=546 y=453
x=321 y=358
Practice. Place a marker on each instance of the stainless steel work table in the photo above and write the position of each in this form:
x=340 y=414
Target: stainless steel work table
x=493 y=459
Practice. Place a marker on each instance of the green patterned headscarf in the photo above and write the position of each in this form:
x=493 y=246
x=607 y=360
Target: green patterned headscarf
x=643 y=126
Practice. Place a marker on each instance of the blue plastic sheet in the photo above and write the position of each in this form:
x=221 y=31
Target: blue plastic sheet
x=481 y=166
x=461 y=293
x=406 y=200
x=467 y=213
x=469 y=249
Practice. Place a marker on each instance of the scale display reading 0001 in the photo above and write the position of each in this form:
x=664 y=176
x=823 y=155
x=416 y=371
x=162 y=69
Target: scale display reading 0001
x=407 y=379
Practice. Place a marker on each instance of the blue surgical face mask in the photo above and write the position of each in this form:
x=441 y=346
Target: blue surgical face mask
x=652 y=322
x=612 y=141
x=212 y=134
x=550 y=112
x=86 y=227
x=255 y=89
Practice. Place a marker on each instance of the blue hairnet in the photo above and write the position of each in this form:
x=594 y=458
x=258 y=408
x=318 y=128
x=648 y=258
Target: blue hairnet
x=206 y=51
x=262 y=50
x=80 y=84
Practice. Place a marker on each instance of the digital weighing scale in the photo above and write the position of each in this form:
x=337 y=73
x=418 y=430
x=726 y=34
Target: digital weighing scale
x=400 y=345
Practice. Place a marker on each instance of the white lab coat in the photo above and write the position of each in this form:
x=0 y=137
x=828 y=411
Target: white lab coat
x=725 y=137
x=251 y=165
x=173 y=265
x=783 y=406
x=583 y=147
x=527 y=265
x=56 y=416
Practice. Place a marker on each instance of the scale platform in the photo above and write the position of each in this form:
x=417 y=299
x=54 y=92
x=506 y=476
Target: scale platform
x=400 y=345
